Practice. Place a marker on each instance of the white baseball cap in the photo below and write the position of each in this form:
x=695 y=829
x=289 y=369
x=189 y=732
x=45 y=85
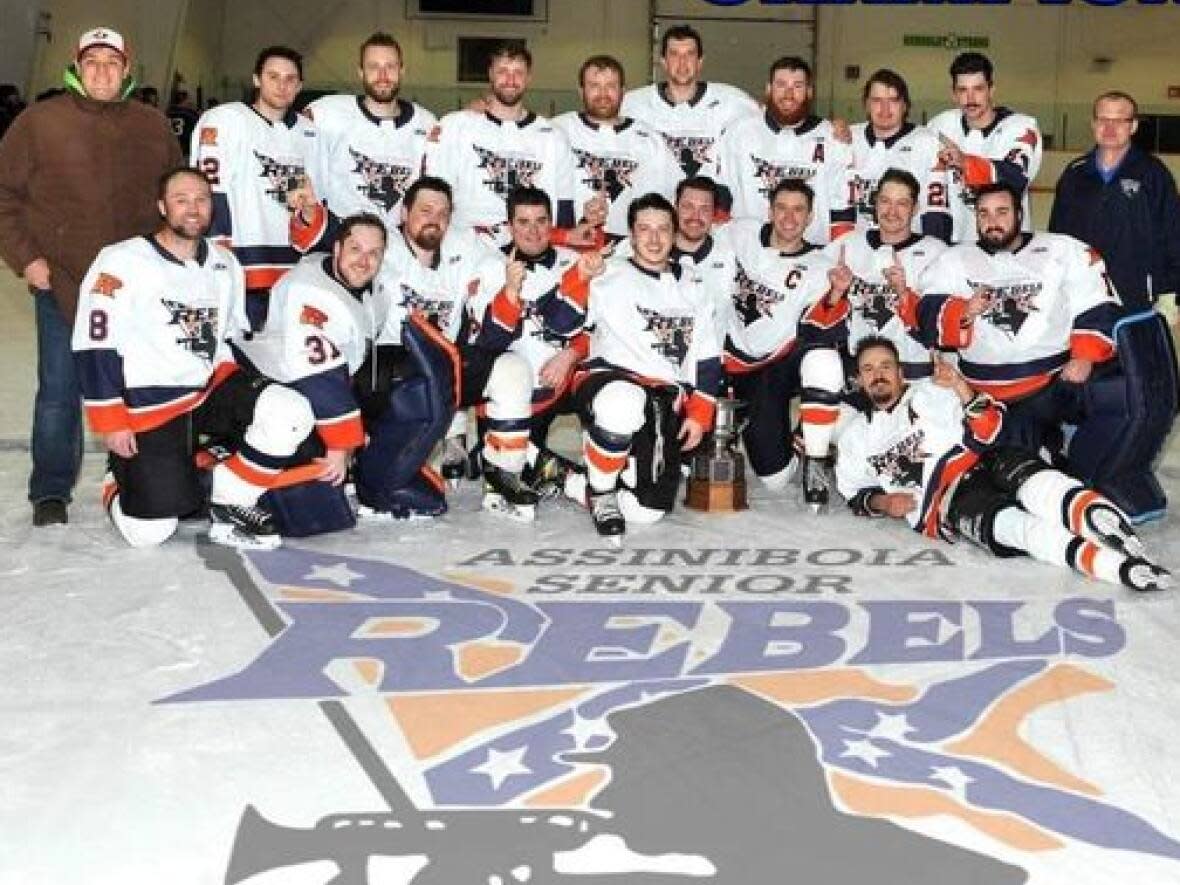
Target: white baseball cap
x=102 y=37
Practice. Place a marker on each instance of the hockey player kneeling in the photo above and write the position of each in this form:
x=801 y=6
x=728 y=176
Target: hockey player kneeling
x=649 y=389
x=156 y=371
x=924 y=452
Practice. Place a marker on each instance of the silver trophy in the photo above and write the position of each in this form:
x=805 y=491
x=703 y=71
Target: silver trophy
x=718 y=479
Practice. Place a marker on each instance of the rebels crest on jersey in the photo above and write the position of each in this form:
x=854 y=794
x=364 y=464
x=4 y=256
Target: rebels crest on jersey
x=284 y=176
x=691 y=151
x=198 y=326
x=438 y=310
x=1009 y=306
x=752 y=299
x=876 y=302
x=383 y=184
x=610 y=174
x=902 y=463
x=673 y=333
x=506 y=174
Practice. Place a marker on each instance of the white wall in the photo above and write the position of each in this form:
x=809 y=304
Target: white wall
x=18 y=42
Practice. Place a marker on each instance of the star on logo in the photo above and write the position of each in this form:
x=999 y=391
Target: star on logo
x=500 y=766
x=889 y=727
x=584 y=731
x=866 y=751
x=953 y=776
x=339 y=574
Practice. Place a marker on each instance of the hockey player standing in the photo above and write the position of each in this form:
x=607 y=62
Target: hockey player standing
x=151 y=338
x=925 y=452
x=788 y=141
x=784 y=321
x=649 y=389
x=616 y=158
x=983 y=143
x=485 y=155
x=371 y=146
x=888 y=140
x=887 y=263
x=1031 y=315
x=259 y=158
x=433 y=269
x=689 y=112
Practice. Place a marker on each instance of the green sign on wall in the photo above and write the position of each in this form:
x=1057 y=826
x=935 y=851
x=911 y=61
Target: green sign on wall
x=952 y=42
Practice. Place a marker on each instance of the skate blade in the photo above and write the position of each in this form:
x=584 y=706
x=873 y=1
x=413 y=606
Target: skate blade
x=515 y=512
x=368 y=514
x=615 y=541
x=229 y=536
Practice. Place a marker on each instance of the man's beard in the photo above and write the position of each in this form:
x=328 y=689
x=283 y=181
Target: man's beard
x=881 y=396
x=509 y=101
x=429 y=237
x=602 y=110
x=792 y=118
x=387 y=97
x=189 y=230
x=999 y=242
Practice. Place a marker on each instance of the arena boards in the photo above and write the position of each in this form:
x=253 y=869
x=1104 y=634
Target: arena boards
x=767 y=698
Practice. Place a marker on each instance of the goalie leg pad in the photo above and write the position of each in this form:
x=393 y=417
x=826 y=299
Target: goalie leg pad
x=310 y=508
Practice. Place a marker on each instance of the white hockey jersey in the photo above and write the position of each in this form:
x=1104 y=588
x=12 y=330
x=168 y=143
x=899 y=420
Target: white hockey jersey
x=317 y=336
x=367 y=163
x=657 y=327
x=922 y=447
x=1050 y=300
x=151 y=332
x=252 y=165
x=913 y=149
x=551 y=313
x=620 y=162
x=756 y=154
x=1008 y=150
x=440 y=292
x=775 y=299
x=874 y=308
x=691 y=128
x=485 y=159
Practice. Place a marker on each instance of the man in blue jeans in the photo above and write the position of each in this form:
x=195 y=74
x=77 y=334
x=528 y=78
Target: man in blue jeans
x=77 y=172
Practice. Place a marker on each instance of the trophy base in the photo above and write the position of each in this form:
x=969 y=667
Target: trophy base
x=716 y=497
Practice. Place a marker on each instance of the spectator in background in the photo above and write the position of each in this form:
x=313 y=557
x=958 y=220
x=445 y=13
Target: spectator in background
x=11 y=104
x=1122 y=201
x=59 y=205
x=182 y=117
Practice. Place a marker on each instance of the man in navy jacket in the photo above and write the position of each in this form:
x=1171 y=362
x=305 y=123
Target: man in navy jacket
x=1122 y=201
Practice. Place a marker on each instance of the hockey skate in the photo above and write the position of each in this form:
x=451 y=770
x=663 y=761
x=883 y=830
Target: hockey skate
x=506 y=493
x=1144 y=576
x=547 y=474
x=247 y=528
x=1111 y=528
x=456 y=461
x=818 y=482
x=608 y=519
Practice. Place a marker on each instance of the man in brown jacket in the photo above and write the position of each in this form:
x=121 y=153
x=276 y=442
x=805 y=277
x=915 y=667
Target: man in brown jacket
x=77 y=172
